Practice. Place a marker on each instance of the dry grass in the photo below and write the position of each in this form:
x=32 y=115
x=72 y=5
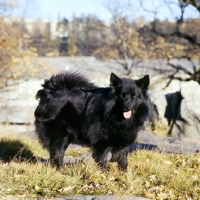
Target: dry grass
x=150 y=174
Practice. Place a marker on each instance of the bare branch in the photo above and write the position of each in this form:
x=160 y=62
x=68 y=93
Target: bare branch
x=178 y=67
x=195 y=3
x=171 y=78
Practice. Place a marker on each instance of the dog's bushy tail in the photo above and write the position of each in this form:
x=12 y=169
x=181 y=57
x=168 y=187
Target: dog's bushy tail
x=64 y=81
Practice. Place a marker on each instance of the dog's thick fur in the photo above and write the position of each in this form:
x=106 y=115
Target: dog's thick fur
x=73 y=110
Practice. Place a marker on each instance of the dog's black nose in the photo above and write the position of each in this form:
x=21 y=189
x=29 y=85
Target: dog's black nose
x=127 y=107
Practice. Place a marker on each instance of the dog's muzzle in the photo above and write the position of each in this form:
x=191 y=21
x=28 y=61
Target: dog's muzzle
x=127 y=111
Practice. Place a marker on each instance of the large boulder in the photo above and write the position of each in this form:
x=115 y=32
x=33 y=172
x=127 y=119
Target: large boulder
x=164 y=97
x=178 y=108
x=190 y=110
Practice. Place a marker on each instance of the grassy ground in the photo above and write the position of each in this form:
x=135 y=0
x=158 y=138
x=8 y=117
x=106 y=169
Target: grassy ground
x=150 y=174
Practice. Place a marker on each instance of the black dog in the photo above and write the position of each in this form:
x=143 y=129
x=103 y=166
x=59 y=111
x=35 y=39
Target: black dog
x=73 y=110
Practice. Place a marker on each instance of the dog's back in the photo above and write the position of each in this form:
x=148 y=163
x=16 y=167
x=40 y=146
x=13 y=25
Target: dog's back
x=55 y=91
x=61 y=82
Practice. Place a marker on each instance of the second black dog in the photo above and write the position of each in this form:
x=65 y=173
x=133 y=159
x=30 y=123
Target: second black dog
x=73 y=110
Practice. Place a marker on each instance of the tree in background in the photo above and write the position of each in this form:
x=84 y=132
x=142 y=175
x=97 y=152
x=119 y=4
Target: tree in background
x=135 y=40
x=182 y=35
x=128 y=39
x=16 y=54
x=86 y=35
x=128 y=48
x=73 y=40
x=125 y=44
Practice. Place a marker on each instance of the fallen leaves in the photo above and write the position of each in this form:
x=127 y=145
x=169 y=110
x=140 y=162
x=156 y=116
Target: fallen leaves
x=167 y=162
x=66 y=189
x=152 y=177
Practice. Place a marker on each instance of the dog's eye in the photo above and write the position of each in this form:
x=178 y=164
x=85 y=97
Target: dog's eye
x=121 y=96
x=134 y=97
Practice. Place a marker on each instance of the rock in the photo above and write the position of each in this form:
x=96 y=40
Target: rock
x=172 y=113
x=189 y=110
x=158 y=98
x=18 y=103
x=150 y=141
x=178 y=108
x=161 y=97
x=183 y=113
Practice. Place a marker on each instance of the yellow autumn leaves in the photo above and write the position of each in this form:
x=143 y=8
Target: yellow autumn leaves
x=15 y=54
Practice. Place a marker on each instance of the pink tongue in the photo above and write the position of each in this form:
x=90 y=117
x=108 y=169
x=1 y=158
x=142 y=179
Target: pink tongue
x=127 y=114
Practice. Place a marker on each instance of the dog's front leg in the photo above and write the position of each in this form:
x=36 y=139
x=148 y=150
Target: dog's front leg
x=102 y=157
x=121 y=158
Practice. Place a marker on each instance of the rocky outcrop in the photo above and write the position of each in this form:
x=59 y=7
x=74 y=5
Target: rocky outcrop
x=190 y=110
x=150 y=141
x=178 y=108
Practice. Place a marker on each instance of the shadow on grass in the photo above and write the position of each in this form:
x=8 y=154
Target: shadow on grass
x=15 y=150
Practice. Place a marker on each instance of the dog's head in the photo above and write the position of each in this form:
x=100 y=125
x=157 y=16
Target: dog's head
x=130 y=93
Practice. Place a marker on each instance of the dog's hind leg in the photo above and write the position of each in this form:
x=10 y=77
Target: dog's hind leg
x=57 y=149
x=121 y=158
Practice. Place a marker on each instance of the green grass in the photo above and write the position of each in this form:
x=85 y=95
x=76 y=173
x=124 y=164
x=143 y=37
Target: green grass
x=150 y=174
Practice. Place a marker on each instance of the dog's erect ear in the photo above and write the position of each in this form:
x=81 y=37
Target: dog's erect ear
x=115 y=80
x=143 y=82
